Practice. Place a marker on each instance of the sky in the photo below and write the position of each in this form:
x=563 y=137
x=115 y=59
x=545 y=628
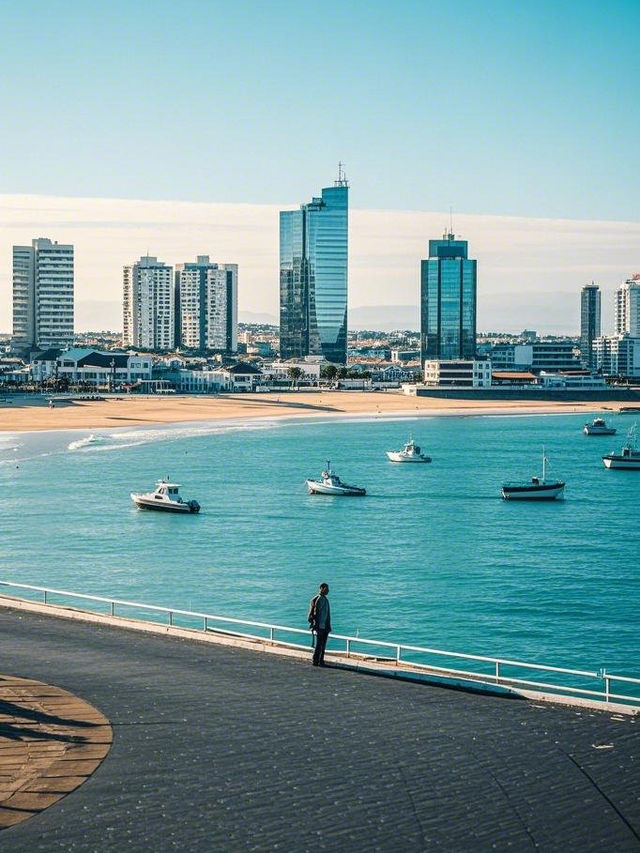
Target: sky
x=530 y=270
x=501 y=110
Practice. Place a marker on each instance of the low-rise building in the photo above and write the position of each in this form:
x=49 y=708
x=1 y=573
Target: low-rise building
x=617 y=355
x=403 y=356
x=101 y=369
x=280 y=370
x=535 y=356
x=457 y=373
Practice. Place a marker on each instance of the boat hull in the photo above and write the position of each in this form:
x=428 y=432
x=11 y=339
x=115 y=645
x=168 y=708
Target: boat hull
x=543 y=492
x=164 y=506
x=316 y=488
x=399 y=456
x=622 y=462
x=588 y=430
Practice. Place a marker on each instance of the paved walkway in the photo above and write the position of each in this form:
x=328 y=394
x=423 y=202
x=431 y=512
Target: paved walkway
x=50 y=743
x=218 y=748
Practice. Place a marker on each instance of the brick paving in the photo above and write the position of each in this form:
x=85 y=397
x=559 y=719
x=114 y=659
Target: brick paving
x=50 y=743
x=218 y=748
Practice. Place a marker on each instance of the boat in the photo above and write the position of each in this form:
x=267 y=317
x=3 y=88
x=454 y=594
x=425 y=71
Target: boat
x=166 y=498
x=598 y=426
x=629 y=456
x=330 y=484
x=535 y=489
x=410 y=453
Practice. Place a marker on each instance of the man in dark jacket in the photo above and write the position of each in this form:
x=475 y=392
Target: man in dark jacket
x=320 y=621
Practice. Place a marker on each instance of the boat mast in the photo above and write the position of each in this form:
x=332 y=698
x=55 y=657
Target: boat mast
x=544 y=465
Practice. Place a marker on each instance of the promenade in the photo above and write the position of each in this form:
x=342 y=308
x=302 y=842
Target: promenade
x=219 y=748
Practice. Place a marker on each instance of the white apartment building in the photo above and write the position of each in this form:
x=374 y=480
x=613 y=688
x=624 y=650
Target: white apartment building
x=617 y=355
x=457 y=373
x=43 y=295
x=148 y=305
x=207 y=302
x=627 y=307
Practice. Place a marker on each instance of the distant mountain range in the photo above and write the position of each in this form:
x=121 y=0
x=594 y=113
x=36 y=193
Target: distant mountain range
x=382 y=318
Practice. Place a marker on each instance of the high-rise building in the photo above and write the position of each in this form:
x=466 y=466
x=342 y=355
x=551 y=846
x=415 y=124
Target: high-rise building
x=448 y=283
x=148 y=305
x=43 y=295
x=313 y=276
x=589 y=323
x=627 y=307
x=206 y=299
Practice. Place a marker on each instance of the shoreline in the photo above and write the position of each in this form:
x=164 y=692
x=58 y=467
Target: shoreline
x=34 y=415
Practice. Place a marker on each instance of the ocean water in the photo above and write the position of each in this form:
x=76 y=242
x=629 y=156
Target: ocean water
x=431 y=556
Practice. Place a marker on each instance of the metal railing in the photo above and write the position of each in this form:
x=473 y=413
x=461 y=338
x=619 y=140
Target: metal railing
x=415 y=659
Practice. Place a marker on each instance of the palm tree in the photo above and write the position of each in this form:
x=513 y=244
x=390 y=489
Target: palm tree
x=294 y=374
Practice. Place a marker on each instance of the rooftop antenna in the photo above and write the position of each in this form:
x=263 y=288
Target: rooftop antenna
x=342 y=176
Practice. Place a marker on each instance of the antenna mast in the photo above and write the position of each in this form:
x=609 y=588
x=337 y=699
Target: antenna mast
x=342 y=177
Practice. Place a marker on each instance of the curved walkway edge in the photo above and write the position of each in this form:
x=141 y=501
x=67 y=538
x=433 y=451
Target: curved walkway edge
x=50 y=743
x=363 y=664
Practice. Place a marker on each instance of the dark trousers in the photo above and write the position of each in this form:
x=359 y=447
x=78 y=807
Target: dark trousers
x=321 y=642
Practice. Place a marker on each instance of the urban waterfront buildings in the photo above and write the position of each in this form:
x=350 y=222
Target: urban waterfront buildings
x=448 y=284
x=589 y=323
x=148 y=305
x=206 y=301
x=627 y=307
x=617 y=355
x=43 y=295
x=313 y=276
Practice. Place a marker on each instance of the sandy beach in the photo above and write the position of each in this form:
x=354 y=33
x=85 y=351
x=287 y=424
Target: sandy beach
x=26 y=414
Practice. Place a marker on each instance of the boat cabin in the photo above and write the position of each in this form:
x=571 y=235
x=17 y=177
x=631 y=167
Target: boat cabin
x=167 y=491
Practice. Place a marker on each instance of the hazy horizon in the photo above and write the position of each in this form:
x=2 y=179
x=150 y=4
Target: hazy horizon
x=530 y=270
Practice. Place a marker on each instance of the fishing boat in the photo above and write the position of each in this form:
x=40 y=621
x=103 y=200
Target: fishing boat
x=166 y=498
x=330 y=484
x=629 y=456
x=598 y=426
x=410 y=453
x=535 y=489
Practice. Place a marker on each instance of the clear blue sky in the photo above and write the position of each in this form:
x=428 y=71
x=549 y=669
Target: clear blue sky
x=527 y=108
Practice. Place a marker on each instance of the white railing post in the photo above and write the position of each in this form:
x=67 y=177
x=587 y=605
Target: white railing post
x=255 y=631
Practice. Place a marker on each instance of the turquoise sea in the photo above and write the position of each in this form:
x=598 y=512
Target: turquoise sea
x=430 y=556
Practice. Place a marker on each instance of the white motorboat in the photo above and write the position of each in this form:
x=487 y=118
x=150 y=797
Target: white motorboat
x=410 y=453
x=330 y=484
x=598 y=426
x=629 y=456
x=535 y=489
x=166 y=498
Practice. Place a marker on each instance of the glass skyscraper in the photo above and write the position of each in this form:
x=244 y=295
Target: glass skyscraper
x=448 y=301
x=313 y=276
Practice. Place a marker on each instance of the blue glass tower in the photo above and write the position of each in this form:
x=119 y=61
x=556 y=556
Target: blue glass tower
x=313 y=276
x=448 y=301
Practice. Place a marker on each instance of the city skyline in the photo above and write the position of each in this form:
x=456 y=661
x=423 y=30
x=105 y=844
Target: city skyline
x=532 y=269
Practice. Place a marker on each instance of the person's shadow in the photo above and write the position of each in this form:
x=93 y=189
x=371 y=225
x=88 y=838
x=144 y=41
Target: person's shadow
x=21 y=731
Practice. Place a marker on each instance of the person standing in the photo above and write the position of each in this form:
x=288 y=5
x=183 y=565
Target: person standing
x=320 y=621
